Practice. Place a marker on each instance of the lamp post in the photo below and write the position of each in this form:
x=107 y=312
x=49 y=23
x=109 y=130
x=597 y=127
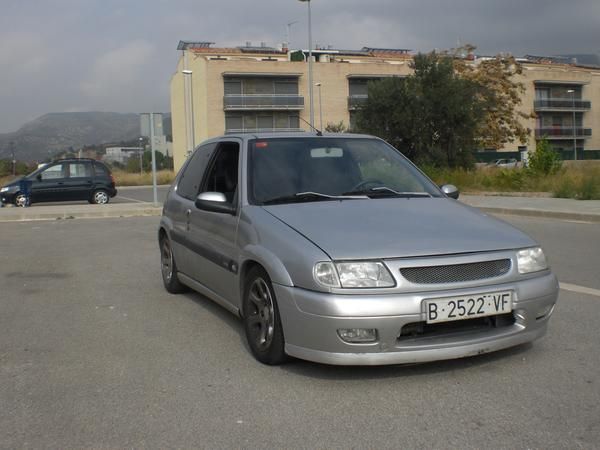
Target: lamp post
x=572 y=92
x=190 y=122
x=141 y=153
x=320 y=108
x=310 y=74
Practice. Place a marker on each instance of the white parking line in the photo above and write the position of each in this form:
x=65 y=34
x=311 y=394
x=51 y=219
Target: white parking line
x=580 y=289
x=130 y=199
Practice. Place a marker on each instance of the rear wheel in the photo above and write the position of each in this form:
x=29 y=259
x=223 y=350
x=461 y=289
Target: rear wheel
x=100 y=197
x=262 y=323
x=168 y=268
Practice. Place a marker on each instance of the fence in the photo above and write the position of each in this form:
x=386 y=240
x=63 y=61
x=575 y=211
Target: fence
x=565 y=155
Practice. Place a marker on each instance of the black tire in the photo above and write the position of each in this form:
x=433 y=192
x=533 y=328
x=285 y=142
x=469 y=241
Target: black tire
x=20 y=200
x=168 y=268
x=100 y=197
x=262 y=322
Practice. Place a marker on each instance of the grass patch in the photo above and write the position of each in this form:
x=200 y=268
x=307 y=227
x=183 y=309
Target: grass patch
x=123 y=178
x=578 y=182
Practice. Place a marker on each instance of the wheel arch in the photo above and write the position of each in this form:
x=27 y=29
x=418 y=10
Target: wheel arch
x=258 y=256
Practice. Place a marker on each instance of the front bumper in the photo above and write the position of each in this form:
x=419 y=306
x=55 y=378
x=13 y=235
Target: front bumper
x=8 y=197
x=311 y=320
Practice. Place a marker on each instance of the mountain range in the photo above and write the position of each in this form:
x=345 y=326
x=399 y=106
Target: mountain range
x=56 y=132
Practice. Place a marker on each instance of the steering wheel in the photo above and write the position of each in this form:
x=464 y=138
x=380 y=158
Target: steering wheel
x=363 y=184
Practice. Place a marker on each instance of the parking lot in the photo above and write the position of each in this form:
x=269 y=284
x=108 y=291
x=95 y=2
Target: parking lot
x=95 y=354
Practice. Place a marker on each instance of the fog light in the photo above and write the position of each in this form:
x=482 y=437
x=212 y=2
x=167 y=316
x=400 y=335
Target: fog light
x=358 y=335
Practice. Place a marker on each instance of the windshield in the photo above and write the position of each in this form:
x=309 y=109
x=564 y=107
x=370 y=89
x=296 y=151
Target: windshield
x=286 y=170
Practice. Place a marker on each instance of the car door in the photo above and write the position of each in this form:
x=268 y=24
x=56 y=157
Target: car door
x=180 y=204
x=213 y=235
x=48 y=185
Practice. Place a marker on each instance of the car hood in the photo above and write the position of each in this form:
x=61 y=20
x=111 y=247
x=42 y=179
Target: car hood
x=13 y=182
x=398 y=227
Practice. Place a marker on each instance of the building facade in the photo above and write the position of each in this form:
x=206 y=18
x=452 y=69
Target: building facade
x=244 y=89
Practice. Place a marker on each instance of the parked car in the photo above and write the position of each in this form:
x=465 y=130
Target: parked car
x=63 y=180
x=337 y=249
x=509 y=163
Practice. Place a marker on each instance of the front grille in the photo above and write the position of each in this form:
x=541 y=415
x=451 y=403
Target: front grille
x=457 y=272
x=444 y=329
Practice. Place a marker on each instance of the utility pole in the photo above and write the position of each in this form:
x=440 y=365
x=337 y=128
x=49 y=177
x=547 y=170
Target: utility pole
x=14 y=161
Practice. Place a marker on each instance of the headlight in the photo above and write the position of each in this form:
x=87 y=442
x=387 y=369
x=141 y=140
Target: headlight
x=5 y=189
x=531 y=260
x=370 y=274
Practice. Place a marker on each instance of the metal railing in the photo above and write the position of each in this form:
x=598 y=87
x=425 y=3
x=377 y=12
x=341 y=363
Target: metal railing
x=563 y=132
x=356 y=101
x=564 y=104
x=262 y=130
x=243 y=102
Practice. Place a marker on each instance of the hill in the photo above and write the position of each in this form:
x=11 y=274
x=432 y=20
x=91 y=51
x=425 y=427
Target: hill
x=55 y=132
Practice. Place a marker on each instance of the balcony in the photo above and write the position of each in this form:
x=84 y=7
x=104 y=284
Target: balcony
x=562 y=104
x=263 y=130
x=356 y=101
x=264 y=102
x=563 y=132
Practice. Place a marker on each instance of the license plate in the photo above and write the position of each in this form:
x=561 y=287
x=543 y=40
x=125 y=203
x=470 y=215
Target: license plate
x=468 y=306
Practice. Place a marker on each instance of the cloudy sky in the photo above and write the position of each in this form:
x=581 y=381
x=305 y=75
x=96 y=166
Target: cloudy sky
x=118 y=55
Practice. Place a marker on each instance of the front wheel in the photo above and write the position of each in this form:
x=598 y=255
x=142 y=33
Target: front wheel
x=262 y=323
x=21 y=200
x=100 y=197
x=168 y=268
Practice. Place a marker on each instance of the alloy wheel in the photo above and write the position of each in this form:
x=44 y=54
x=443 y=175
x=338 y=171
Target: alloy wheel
x=261 y=316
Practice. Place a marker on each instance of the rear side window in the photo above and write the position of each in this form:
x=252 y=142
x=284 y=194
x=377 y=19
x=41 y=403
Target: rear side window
x=191 y=178
x=80 y=170
x=100 y=170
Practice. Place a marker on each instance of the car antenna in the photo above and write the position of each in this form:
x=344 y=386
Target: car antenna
x=314 y=128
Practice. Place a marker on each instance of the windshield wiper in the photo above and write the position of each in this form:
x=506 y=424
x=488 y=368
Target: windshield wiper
x=310 y=197
x=388 y=192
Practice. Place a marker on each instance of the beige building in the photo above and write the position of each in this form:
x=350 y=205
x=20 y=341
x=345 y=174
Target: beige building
x=244 y=89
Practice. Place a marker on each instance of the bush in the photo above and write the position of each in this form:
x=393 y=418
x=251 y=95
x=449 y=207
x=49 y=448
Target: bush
x=544 y=161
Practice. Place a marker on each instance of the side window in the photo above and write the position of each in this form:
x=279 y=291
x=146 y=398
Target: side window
x=191 y=178
x=79 y=170
x=222 y=175
x=100 y=170
x=53 y=172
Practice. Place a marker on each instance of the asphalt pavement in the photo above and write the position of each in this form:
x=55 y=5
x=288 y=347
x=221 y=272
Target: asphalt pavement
x=95 y=354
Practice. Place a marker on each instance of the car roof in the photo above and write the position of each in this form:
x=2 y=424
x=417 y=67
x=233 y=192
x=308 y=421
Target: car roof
x=281 y=135
x=74 y=160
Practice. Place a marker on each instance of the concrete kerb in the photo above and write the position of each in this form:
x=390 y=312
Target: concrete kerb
x=65 y=212
x=580 y=217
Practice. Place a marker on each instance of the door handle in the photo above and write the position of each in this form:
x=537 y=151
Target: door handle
x=188 y=213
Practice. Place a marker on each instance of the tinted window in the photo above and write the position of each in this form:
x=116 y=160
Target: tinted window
x=100 y=170
x=189 y=182
x=53 y=172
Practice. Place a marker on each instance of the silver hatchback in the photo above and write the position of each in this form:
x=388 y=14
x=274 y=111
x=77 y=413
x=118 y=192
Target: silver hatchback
x=337 y=249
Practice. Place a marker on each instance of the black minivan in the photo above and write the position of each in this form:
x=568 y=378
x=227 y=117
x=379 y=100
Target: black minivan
x=63 y=180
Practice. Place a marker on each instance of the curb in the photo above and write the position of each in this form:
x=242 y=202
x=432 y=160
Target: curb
x=65 y=214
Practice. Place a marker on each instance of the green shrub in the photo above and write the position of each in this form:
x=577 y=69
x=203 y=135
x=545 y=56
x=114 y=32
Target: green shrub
x=544 y=160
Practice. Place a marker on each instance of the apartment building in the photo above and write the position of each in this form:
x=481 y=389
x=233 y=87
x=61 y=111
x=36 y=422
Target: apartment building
x=259 y=88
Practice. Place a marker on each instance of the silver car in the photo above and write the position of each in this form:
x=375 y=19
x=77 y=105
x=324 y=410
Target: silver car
x=337 y=249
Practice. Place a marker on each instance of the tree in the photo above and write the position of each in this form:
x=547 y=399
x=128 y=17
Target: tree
x=501 y=94
x=336 y=127
x=431 y=115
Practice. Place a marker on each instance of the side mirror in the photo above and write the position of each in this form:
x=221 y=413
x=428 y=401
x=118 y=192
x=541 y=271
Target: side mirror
x=39 y=177
x=214 y=202
x=451 y=191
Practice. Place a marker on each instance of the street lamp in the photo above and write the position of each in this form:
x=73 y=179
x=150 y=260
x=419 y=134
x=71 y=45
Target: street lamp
x=189 y=102
x=320 y=108
x=572 y=92
x=141 y=153
x=310 y=74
